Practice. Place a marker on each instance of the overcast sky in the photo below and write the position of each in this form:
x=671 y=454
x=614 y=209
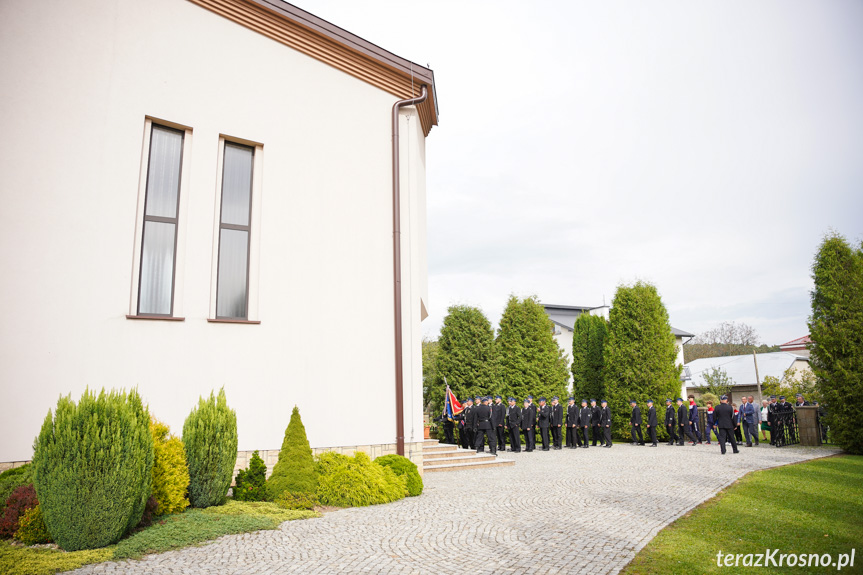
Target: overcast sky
x=705 y=147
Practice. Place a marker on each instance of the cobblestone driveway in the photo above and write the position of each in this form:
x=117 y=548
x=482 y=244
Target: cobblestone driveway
x=569 y=511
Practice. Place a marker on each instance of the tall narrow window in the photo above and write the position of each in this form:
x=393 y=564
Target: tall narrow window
x=232 y=291
x=159 y=242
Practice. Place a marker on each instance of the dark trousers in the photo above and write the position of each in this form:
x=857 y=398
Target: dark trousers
x=597 y=434
x=543 y=433
x=748 y=432
x=501 y=437
x=471 y=438
x=695 y=431
x=447 y=430
x=571 y=435
x=584 y=431
x=514 y=439
x=481 y=434
x=529 y=438
x=555 y=436
x=727 y=435
x=608 y=435
x=462 y=437
x=672 y=435
x=737 y=435
x=637 y=429
x=684 y=429
x=651 y=431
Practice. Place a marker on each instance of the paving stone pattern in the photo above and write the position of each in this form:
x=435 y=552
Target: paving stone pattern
x=569 y=511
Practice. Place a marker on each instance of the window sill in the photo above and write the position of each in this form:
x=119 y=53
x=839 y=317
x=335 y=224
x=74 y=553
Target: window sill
x=156 y=317
x=251 y=321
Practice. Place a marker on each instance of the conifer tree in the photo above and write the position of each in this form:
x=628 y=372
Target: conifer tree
x=210 y=437
x=836 y=328
x=467 y=356
x=295 y=471
x=639 y=354
x=588 y=341
x=531 y=362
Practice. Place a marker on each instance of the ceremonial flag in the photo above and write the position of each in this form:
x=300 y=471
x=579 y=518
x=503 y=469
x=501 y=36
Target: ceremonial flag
x=453 y=407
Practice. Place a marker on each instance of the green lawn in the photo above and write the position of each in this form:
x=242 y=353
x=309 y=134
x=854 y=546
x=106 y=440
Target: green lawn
x=192 y=527
x=814 y=507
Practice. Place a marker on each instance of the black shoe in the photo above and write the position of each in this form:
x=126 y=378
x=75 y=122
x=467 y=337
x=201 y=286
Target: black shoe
x=586 y=446
x=738 y=451
x=608 y=446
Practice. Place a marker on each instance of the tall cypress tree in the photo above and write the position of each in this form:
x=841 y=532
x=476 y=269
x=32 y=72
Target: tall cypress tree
x=836 y=327
x=467 y=356
x=639 y=353
x=588 y=341
x=531 y=362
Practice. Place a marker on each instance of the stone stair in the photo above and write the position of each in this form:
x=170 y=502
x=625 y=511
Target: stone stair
x=444 y=457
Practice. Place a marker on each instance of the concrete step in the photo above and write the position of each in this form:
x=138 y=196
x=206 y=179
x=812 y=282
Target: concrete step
x=441 y=448
x=434 y=454
x=468 y=463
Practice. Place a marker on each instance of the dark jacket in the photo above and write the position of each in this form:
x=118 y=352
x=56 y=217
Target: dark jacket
x=605 y=416
x=584 y=416
x=595 y=414
x=693 y=414
x=528 y=416
x=711 y=418
x=571 y=415
x=557 y=415
x=470 y=417
x=482 y=417
x=498 y=414
x=636 y=416
x=724 y=416
x=544 y=415
x=651 y=416
x=514 y=417
x=682 y=414
x=669 y=415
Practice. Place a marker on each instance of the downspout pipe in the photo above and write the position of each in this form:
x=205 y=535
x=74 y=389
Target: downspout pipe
x=397 y=271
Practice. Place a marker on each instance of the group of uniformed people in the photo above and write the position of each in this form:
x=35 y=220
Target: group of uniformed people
x=485 y=420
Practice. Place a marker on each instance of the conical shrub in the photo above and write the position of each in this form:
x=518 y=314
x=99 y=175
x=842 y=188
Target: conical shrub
x=295 y=471
x=170 y=470
x=92 y=468
x=210 y=437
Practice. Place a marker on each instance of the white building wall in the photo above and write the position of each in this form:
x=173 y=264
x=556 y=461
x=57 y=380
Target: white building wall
x=79 y=79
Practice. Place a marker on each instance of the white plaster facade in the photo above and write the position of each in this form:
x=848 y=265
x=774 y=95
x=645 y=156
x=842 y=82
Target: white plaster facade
x=80 y=80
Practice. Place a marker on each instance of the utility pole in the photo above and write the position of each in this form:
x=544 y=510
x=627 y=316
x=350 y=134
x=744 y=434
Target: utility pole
x=757 y=379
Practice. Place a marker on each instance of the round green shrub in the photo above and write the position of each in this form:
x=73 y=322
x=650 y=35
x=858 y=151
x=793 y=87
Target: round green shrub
x=402 y=466
x=12 y=479
x=210 y=437
x=288 y=500
x=250 y=484
x=295 y=471
x=31 y=528
x=93 y=466
x=170 y=471
x=356 y=481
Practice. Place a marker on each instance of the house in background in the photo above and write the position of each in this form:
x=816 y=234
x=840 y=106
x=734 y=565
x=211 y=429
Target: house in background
x=741 y=370
x=563 y=320
x=799 y=346
x=194 y=192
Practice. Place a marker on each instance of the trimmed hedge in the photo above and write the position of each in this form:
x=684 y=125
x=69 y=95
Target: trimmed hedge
x=295 y=470
x=170 y=471
x=12 y=479
x=210 y=437
x=356 y=481
x=403 y=466
x=93 y=467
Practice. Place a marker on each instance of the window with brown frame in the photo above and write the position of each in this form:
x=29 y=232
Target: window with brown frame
x=232 y=289
x=161 y=207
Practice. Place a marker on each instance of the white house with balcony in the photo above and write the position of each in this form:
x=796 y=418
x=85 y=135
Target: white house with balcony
x=194 y=192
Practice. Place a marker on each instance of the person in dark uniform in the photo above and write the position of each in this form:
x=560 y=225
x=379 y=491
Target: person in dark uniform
x=447 y=428
x=470 y=421
x=724 y=417
x=651 y=423
x=771 y=419
x=513 y=424
x=584 y=421
x=544 y=416
x=799 y=401
x=556 y=422
x=784 y=432
x=605 y=422
x=463 y=435
x=594 y=423
x=498 y=420
x=683 y=422
x=571 y=423
x=528 y=425
x=669 y=422
x=484 y=429
x=635 y=422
